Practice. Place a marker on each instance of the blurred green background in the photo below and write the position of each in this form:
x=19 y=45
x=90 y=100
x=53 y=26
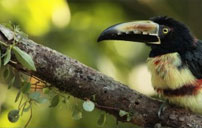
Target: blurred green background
x=72 y=27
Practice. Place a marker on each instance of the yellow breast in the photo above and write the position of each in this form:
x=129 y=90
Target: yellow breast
x=166 y=73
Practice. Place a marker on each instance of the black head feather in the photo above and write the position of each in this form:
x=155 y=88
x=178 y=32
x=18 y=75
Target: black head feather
x=179 y=39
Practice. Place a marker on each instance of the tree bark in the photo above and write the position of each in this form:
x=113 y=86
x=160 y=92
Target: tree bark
x=71 y=76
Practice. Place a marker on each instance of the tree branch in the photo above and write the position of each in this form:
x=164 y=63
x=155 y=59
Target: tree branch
x=71 y=76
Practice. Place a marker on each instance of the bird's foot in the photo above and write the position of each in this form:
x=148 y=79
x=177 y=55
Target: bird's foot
x=162 y=108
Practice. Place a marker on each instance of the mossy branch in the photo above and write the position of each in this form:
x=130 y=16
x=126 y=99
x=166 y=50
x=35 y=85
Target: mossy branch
x=71 y=76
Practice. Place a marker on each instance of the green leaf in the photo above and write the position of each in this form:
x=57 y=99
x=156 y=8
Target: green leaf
x=7 y=56
x=13 y=116
x=26 y=109
x=18 y=96
x=55 y=101
x=6 y=73
x=102 y=119
x=34 y=96
x=129 y=117
x=26 y=87
x=18 y=81
x=42 y=100
x=11 y=83
x=88 y=106
x=24 y=77
x=46 y=90
x=24 y=58
x=76 y=115
x=66 y=99
x=123 y=113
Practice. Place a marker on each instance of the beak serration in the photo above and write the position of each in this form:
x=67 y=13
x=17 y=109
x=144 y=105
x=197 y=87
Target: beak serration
x=138 y=31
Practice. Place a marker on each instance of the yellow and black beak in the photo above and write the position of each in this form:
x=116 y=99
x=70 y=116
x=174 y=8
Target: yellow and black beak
x=138 y=31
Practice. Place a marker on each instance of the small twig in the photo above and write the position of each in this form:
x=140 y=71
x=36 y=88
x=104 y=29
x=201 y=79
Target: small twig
x=6 y=45
x=25 y=103
x=30 y=117
x=19 y=105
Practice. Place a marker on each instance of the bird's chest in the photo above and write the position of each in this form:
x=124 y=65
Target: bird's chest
x=167 y=71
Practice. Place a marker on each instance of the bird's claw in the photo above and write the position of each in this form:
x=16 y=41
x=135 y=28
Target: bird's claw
x=162 y=108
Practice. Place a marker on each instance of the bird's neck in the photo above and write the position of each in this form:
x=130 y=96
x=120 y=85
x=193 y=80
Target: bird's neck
x=158 y=52
x=168 y=72
x=181 y=48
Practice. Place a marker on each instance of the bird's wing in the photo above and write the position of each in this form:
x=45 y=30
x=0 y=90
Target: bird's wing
x=193 y=59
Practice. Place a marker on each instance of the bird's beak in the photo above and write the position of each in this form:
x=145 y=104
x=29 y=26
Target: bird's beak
x=138 y=31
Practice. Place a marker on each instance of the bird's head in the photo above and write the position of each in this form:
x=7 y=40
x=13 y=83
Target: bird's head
x=162 y=34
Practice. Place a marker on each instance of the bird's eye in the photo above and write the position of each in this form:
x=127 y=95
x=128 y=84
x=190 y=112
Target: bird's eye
x=165 y=30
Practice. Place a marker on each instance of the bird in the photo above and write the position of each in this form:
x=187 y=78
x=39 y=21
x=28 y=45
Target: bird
x=174 y=61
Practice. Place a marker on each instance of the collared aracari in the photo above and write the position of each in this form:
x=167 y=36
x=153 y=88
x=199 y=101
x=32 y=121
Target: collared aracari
x=175 y=59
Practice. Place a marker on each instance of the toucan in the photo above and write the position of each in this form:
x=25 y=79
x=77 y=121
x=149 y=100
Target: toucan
x=175 y=59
